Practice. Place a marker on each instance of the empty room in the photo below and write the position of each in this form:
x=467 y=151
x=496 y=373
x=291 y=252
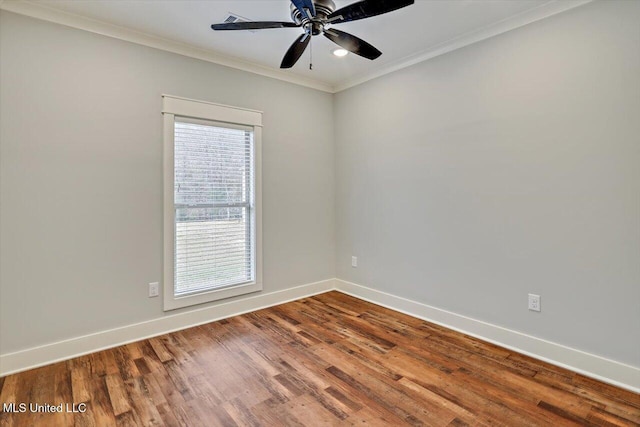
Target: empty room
x=319 y=212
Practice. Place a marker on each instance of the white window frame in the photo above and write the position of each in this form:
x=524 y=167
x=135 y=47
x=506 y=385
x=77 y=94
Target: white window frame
x=182 y=107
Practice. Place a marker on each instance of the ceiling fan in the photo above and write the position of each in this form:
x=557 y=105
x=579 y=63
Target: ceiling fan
x=316 y=17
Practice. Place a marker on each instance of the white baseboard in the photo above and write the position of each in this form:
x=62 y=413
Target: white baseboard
x=600 y=368
x=62 y=350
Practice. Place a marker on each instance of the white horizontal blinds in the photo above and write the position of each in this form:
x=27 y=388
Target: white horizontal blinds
x=214 y=201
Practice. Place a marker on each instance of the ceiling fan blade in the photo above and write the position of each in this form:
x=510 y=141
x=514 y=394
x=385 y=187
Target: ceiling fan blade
x=366 y=9
x=253 y=25
x=352 y=43
x=301 y=5
x=295 y=51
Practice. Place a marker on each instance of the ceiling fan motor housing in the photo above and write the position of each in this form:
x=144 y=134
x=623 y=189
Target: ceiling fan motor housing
x=323 y=9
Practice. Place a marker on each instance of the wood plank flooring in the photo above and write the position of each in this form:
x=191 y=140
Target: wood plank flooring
x=326 y=360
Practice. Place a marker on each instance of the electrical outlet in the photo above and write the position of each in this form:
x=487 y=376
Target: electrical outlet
x=354 y=261
x=154 y=289
x=534 y=302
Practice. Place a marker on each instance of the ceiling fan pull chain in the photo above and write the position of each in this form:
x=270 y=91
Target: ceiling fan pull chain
x=311 y=55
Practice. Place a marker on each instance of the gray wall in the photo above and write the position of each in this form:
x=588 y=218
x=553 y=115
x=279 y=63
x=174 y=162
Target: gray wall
x=506 y=167
x=81 y=177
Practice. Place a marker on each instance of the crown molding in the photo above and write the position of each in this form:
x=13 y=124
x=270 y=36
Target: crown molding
x=545 y=10
x=45 y=13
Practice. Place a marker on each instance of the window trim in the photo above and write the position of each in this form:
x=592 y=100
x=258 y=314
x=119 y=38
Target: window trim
x=183 y=107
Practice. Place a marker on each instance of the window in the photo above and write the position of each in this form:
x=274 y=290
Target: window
x=212 y=202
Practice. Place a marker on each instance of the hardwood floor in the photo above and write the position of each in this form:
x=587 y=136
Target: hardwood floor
x=325 y=360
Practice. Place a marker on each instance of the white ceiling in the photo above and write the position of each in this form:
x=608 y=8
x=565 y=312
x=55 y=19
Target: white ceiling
x=405 y=36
